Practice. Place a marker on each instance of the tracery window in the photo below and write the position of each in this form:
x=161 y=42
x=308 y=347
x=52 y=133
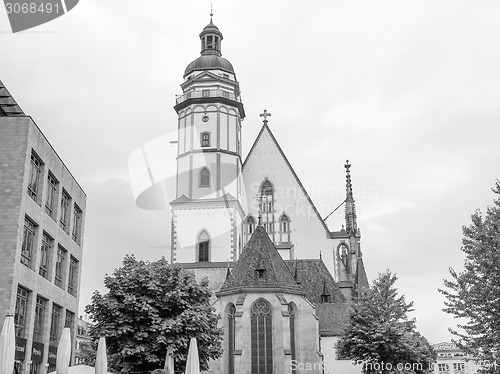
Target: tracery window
x=262 y=338
x=267 y=207
x=284 y=225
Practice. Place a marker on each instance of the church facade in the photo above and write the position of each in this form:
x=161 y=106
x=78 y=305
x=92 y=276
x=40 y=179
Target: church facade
x=282 y=280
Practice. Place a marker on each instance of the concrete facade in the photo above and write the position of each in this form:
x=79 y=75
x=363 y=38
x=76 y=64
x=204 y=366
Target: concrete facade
x=42 y=210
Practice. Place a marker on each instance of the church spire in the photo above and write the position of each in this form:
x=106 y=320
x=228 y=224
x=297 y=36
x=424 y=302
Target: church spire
x=350 y=208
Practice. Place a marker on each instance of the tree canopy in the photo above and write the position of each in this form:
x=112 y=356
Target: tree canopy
x=379 y=334
x=148 y=306
x=473 y=294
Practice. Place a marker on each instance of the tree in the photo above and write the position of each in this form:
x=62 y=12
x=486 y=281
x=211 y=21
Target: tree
x=380 y=336
x=474 y=294
x=85 y=354
x=149 y=306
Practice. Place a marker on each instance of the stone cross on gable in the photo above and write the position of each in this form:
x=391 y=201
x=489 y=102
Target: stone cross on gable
x=265 y=115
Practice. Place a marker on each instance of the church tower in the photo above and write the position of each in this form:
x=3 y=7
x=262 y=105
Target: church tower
x=207 y=213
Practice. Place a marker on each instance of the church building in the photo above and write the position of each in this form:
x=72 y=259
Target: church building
x=282 y=280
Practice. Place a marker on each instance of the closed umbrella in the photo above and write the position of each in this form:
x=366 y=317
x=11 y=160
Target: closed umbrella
x=193 y=360
x=101 y=360
x=169 y=360
x=64 y=352
x=7 y=346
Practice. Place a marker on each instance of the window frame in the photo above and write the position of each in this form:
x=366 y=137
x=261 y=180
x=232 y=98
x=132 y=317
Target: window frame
x=76 y=232
x=29 y=240
x=51 y=198
x=34 y=177
x=45 y=252
x=205 y=139
x=61 y=255
x=73 y=276
x=204 y=178
x=39 y=320
x=22 y=298
x=65 y=211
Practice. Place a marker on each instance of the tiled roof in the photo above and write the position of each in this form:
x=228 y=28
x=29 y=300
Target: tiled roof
x=315 y=278
x=332 y=318
x=8 y=106
x=260 y=253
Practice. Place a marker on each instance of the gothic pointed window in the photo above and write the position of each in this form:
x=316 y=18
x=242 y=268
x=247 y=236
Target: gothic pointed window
x=203 y=247
x=261 y=338
x=250 y=225
x=267 y=207
x=231 y=335
x=284 y=228
x=204 y=178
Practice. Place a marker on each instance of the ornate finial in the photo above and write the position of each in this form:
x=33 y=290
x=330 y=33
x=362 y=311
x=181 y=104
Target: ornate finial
x=259 y=198
x=350 y=209
x=320 y=255
x=265 y=115
x=211 y=12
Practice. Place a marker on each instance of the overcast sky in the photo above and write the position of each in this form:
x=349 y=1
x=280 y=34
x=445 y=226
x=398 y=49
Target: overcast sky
x=408 y=91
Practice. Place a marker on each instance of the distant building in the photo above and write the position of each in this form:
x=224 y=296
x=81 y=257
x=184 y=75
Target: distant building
x=42 y=210
x=82 y=335
x=450 y=359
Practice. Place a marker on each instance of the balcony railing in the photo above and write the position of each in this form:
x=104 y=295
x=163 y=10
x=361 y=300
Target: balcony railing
x=207 y=93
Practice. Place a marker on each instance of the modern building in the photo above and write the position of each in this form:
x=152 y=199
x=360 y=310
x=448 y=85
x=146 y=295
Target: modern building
x=42 y=210
x=282 y=279
x=452 y=360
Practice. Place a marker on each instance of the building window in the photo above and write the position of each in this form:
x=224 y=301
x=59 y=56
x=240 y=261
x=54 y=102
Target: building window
x=250 y=225
x=55 y=323
x=21 y=310
x=267 y=207
x=28 y=240
x=34 y=181
x=39 y=319
x=291 y=313
x=73 y=276
x=284 y=228
x=70 y=321
x=261 y=338
x=44 y=255
x=232 y=336
x=205 y=93
x=204 y=178
x=225 y=94
x=60 y=264
x=205 y=139
x=443 y=368
x=50 y=202
x=65 y=211
x=77 y=224
x=203 y=247
x=458 y=366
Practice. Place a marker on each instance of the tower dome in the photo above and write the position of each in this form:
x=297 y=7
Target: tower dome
x=211 y=57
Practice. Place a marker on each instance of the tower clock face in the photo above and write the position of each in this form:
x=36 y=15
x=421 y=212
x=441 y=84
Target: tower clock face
x=205 y=118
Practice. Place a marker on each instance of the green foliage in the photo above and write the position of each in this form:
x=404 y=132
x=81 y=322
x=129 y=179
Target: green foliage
x=86 y=353
x=149 y=306
x=379 y=333
x=474 y=294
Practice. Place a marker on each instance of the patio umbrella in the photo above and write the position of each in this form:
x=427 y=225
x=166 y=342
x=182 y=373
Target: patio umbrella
x=7 y=346
x=169 y=360
x=101 y=360
x=64 y=352
x=79 y=369
x=193 y=360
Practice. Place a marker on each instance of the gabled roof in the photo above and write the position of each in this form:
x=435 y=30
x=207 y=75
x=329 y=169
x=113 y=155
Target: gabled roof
x=314 y=279
x=265 y=127
x=8 y=106
x=260 y=253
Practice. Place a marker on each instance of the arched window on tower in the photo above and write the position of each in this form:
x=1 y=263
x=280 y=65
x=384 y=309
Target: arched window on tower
x=231 y=337
x=204 y=178
x=284 y=228
x=249 y=227
x=203 y=247
x=267 y=207
x=261 y=338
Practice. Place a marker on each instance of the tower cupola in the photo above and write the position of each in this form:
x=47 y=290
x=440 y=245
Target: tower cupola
x=211 y=39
